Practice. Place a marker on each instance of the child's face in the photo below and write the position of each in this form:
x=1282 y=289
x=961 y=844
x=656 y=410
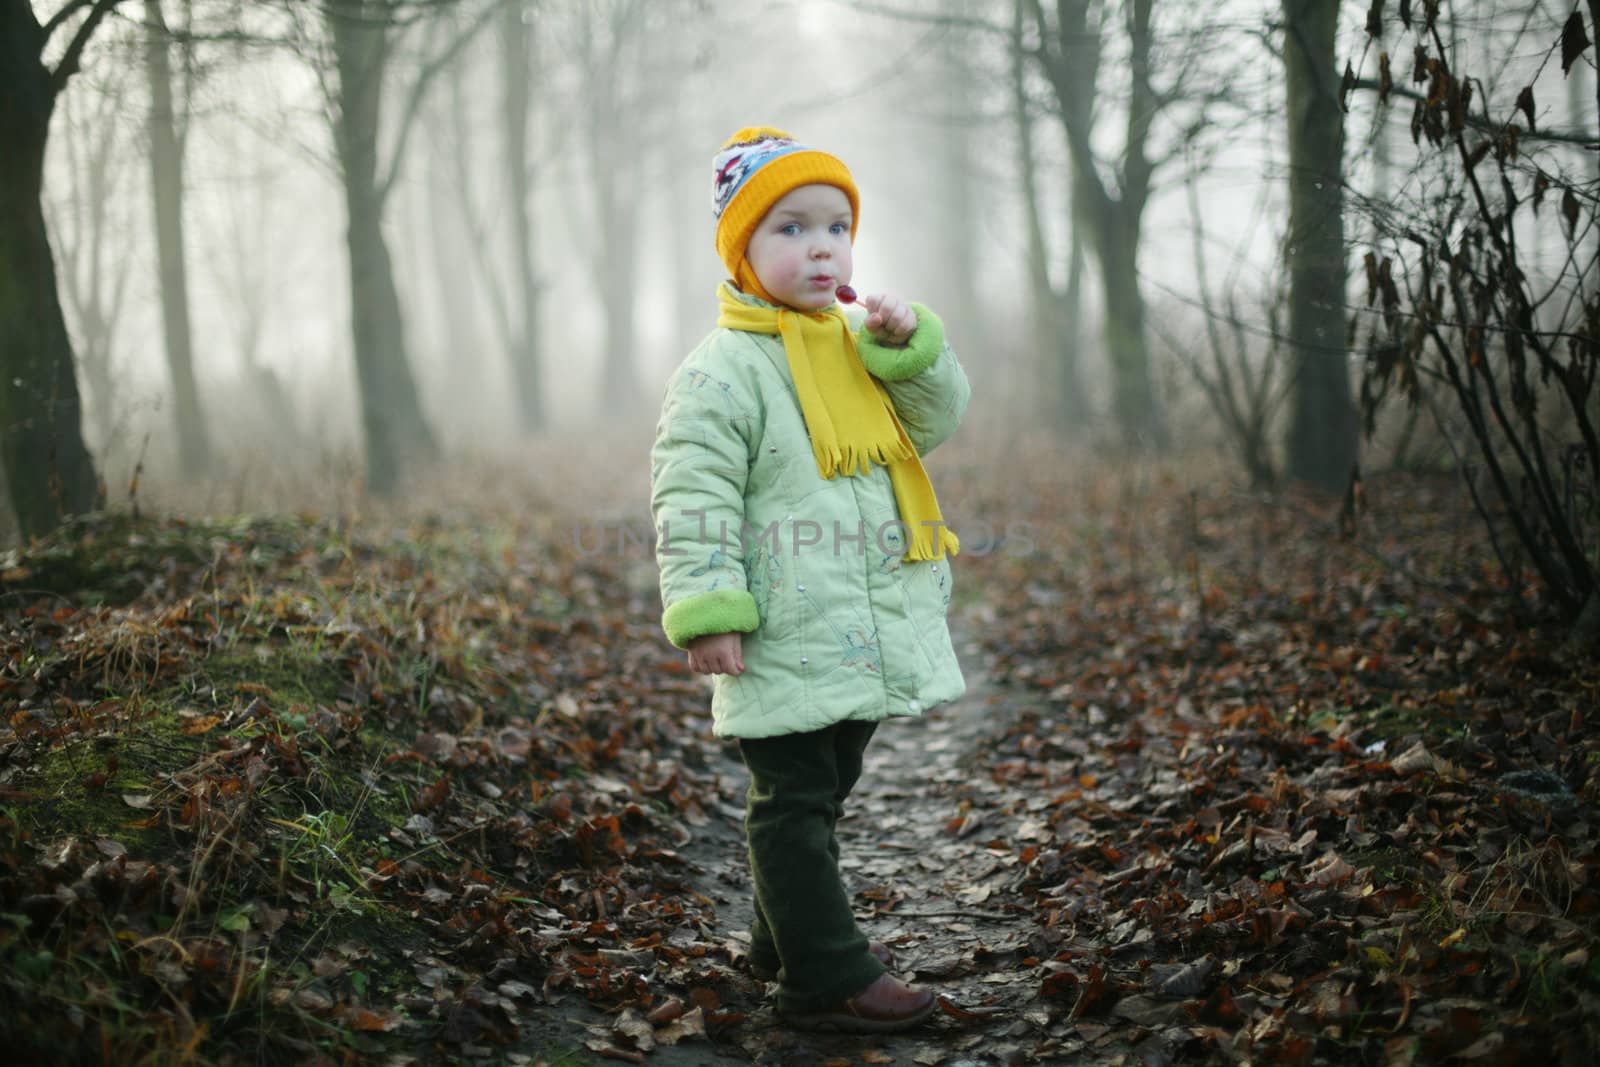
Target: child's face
x=801 y=248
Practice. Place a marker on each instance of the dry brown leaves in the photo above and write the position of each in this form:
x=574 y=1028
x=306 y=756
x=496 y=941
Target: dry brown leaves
x=1285 y=799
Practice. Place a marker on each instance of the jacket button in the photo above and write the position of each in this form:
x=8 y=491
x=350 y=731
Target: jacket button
x=804 y=660
x=801 y=587
x=914 y=705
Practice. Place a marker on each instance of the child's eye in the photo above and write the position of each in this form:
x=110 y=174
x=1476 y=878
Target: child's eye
x=790 y=229
x=838 y=228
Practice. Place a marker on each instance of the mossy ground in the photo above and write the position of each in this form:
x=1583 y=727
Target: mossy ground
x=226 y=779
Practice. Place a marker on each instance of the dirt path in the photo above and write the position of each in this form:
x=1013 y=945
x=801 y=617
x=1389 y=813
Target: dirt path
x=930 y=852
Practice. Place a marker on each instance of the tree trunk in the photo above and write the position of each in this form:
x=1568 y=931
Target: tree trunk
x=1322 y=430
x=621 y=104
x=1054 y=316
x=617 y=235
x=686 y=233
x=397 y=433
x=961 y=247
x=1133 y=399
x=526 y=356
x=619 y=386
x=1579 y=114
x=1074 y=400
x=166 y=188
x=47 y=468
x=1594 y=28
x=1115 y=223
x=91 y=286
x=456 y=237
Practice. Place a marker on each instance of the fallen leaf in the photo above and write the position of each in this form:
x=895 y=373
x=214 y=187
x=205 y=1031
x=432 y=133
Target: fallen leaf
x=1487 y=1045
x=665 y=1012
x=1149 y=1011
x=1185 y=980
x=375 y=1021
x=975 y=895
x=1414 y=759
x=431 y=796
x=634 y=1030
x=312 y=999
x=689 y=1024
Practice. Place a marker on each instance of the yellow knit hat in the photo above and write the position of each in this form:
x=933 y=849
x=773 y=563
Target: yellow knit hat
x=755 y=169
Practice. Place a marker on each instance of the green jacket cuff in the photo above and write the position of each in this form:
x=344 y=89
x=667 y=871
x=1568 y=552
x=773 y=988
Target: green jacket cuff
x=894 y=363
x=720 y=611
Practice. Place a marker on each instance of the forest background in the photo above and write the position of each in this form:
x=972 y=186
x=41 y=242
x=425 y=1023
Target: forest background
x=301 y=251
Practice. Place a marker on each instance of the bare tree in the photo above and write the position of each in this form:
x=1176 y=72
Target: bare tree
x=1055 y=311
x=1242 y=383
x=516 y=84
x=47 y=468
x=1322 y=430
x=397 y=433
x=1109 y=197
x=166 y=130
x=249 y=276
x=457 y=229
x=87 y=225
x=959 y=91
x=494 y=229
x=362 y=36
x=622 y=93
x=1510 y=346
x=609 y=33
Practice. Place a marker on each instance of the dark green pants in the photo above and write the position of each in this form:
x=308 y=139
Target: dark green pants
x=804 y=929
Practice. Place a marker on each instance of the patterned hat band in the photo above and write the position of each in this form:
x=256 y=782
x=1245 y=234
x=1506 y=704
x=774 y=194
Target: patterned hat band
x=735 y=164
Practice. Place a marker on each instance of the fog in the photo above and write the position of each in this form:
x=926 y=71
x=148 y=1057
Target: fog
x=628 y=102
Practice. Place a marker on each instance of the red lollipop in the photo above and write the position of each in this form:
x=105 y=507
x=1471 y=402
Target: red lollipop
x=845 y=294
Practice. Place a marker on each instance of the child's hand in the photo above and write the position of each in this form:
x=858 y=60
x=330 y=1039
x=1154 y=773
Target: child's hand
x=717 y=654
x=889 y=319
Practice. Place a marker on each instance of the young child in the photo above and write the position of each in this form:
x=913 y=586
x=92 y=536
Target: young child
x=802 y=551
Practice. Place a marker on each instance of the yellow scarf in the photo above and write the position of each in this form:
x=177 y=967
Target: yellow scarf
x=848 y=413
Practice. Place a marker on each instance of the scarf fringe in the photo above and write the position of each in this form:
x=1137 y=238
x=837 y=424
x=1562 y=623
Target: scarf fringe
x=924 y=547
x=856 y=459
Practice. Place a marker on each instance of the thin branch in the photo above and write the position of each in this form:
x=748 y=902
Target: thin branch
x=1484 y=122
x=419 y=90
x=1223 y=391
x=960 y=22
x=476 y=230
x=69 y=62
x=964 y=913
x=60 y=17
x=1078 y=129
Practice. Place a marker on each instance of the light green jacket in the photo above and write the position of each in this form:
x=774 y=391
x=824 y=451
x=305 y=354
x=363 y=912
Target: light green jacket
x=836 y=624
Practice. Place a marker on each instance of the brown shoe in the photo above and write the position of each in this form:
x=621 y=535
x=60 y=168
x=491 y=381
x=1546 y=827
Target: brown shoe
x=877 y=948
x=885 y=1006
